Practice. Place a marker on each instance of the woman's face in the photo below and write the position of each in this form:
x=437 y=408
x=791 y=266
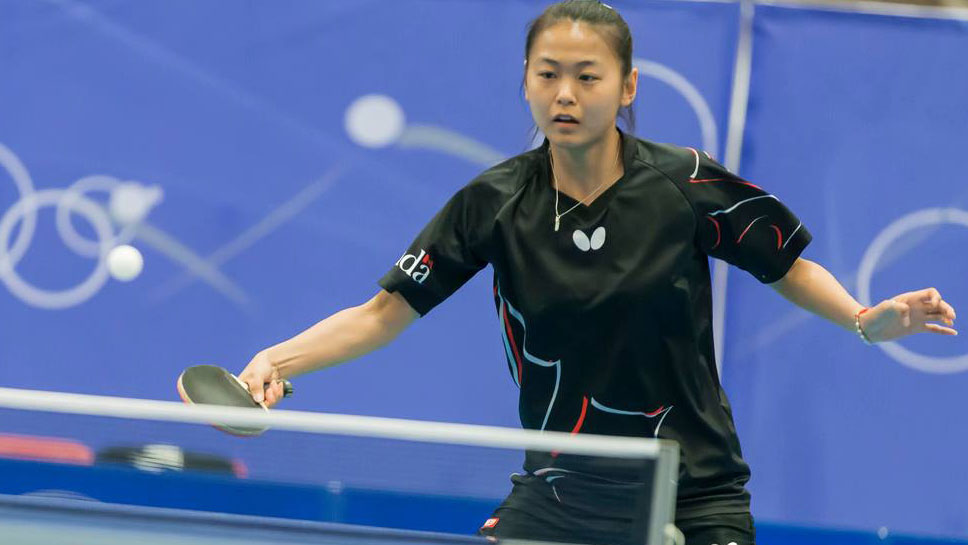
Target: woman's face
x=572 y=71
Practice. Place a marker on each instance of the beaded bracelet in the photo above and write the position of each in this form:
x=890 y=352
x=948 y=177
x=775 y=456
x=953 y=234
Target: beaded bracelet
x=860 y=330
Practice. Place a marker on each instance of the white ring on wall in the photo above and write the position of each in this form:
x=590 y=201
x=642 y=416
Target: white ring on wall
x=707 y=122
x=48 y=299
x=21 y=179
x=79 y=190
x=868 y=263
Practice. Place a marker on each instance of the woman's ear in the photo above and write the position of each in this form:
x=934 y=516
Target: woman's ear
x=630 y=87
x=525 y=79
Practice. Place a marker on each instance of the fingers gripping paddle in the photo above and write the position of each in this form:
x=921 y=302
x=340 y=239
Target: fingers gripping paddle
x=213 y=385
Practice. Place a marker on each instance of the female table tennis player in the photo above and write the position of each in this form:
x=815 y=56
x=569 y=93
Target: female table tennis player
x=599 y=243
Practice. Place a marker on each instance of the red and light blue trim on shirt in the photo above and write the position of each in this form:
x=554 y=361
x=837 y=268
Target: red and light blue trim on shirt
x=515 y=350
x=780 y=244
x=661 y=412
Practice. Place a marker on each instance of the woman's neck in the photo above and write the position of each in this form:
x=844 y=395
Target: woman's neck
x=580 y=171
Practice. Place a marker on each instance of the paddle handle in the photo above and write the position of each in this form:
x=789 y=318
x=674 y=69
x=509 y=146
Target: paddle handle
x=286 y=387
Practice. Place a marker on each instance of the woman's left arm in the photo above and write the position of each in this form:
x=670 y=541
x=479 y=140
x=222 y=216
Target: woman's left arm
x=811 y=287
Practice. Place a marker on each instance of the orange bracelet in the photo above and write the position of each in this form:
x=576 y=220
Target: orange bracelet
x=860 y=330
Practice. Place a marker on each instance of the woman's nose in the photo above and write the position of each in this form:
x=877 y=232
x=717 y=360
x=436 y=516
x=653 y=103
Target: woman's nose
x=565 y=96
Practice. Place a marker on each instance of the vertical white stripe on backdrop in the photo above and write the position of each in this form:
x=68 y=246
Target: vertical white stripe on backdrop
x=731 y=160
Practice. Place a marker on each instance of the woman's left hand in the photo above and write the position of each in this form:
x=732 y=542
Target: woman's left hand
x=907 y=313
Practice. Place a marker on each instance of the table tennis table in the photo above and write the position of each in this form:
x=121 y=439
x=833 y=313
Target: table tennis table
x=52 y=520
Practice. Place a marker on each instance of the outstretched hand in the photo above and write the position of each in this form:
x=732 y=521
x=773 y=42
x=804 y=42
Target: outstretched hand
x=908 y=313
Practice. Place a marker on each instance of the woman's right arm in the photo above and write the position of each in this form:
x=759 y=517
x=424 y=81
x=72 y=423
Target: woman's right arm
x=346 y=335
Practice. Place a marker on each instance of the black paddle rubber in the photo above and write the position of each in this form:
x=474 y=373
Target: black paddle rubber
x=213 y=385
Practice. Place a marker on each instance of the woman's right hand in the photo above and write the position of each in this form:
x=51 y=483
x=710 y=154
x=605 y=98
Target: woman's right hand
x=257 y=374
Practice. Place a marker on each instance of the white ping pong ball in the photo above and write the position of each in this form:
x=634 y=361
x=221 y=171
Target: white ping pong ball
x=374 y=121
x=125 y=263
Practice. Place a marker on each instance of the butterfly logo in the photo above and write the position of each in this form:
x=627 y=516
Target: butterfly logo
x=584 y=243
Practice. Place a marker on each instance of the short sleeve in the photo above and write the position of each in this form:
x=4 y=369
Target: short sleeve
x=741 y=223
x=439 y=261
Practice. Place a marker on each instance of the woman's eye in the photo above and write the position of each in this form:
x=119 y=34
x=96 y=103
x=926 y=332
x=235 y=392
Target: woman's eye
x=583 y=77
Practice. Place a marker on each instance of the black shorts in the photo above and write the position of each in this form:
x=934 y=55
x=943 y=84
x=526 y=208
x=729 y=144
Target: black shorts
x=592 y=515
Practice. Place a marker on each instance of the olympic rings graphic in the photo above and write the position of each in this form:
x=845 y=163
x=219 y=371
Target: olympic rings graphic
x=133 y=202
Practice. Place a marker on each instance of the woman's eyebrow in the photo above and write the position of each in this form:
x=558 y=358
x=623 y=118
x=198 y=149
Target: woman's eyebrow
x=556 y=63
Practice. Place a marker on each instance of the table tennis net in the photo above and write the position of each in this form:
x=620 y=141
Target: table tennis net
x=329 y=468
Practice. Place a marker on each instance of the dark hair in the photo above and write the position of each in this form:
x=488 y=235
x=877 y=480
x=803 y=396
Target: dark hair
x=612 y=28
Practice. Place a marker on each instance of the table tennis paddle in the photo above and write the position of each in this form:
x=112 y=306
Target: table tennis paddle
x=213 y=385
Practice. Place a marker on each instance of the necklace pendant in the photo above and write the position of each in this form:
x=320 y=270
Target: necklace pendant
x=557 y=222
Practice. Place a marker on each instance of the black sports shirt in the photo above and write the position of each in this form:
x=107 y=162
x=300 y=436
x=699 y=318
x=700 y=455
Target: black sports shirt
x=607 y=323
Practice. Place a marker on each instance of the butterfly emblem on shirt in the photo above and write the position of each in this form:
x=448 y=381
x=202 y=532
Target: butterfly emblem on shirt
x=584 y=243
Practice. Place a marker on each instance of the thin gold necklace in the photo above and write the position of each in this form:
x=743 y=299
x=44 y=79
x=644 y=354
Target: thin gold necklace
x=579 y=203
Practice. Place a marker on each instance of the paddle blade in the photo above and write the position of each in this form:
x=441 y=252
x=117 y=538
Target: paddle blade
x=213 y=385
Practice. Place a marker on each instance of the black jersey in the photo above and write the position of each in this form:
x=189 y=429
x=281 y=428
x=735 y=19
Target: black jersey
x=607 y=322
